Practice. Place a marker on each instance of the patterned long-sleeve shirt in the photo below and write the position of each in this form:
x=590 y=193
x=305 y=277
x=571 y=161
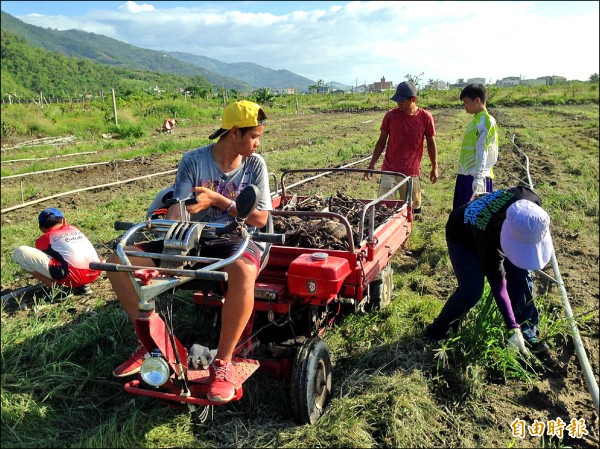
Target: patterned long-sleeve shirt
x=479 y=151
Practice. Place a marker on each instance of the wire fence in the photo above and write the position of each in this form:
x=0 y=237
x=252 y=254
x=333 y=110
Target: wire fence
x=9 y=101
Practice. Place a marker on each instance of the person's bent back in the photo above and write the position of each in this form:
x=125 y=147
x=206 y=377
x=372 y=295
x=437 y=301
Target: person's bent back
x=61 y=256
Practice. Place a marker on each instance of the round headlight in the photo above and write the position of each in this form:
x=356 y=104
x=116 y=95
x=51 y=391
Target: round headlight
x=155 y=371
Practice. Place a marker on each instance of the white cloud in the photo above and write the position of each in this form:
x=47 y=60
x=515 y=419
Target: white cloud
x=362 y=41
x=134 y=7
x=70 y=23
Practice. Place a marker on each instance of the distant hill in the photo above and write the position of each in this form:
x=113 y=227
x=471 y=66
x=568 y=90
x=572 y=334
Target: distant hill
x=104 y=50
x=26 y=71
x=254 y=74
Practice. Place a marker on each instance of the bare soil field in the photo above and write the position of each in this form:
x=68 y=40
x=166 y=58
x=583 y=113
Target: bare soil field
x=561 y=389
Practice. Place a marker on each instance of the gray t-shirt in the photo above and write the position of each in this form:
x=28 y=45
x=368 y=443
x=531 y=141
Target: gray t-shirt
x=198 y=168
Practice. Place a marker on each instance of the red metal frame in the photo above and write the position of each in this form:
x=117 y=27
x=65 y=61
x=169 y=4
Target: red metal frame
x=366 y=262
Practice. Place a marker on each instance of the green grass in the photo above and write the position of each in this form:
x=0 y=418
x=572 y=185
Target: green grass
x=481 y=341
x=391 y=388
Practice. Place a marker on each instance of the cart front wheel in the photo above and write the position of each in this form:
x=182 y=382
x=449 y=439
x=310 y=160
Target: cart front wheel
x=311 y=381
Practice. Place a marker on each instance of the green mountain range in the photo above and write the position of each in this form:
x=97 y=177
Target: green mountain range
x=254 y=74
x=27 y=71
x=111 y=52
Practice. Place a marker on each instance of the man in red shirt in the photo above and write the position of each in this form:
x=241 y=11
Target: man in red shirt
x=403 y=131
x=61 y=256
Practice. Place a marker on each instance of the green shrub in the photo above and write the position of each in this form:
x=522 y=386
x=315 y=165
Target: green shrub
x=128 y=130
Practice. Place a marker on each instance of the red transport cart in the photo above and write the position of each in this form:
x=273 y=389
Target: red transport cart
x=299 y=294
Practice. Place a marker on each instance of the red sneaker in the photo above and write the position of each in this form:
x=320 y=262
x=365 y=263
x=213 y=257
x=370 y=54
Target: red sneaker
x=221 y=388
x=132 y=365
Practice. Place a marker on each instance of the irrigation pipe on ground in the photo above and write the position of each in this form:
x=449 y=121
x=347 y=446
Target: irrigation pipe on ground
x=323 y=174
x=55 y=141
x=101 y=186
x=50 y=157
x=19 y=206
x=16 y=294
x=62 y=168
x=579 y=347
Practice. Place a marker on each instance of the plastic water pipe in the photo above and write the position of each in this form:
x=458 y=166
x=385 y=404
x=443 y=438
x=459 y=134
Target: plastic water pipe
x=579 y=347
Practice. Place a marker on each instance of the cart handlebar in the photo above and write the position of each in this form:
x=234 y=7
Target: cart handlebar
x=196 y=274
x=277 y=239
x=123 y=225
x=267 y=237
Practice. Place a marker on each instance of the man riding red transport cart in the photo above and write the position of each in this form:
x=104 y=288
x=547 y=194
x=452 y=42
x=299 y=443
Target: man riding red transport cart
x=300 y=293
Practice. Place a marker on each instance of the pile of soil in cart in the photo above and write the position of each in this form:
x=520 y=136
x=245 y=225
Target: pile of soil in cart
x=325 y=232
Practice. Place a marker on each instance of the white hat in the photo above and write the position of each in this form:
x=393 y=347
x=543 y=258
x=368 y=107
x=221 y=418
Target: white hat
x=525 y=235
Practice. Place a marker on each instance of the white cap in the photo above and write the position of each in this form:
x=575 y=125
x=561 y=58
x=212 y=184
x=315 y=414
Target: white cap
x=525 y=235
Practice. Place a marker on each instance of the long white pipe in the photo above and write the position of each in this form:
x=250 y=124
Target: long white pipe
x=46 y=158
x=70 y=192
x=20 y=175
x=579 y=347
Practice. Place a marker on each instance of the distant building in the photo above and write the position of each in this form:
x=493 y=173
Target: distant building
x=508 y=81
x=284 y=90
x=511 y=81
x=322 y=90
x=381 y=86
x=552 y=80
x=363 y=88
x=476 y=81
x=437 y=85
x=460 y=83
x=535 y=82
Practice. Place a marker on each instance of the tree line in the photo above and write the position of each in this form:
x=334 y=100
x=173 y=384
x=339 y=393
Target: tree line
x=27 y=71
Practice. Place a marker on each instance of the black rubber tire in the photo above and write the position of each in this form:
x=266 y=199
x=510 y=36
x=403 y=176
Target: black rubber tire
x=310 y=385
x=380 y=289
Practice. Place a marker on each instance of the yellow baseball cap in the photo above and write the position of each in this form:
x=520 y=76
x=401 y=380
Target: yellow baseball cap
x=242 y=114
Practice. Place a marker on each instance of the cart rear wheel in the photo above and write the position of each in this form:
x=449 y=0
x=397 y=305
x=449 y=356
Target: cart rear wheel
x=380 y=290
x=311 y=381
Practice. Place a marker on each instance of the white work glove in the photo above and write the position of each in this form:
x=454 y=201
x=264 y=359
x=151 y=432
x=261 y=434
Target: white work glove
x=478 y=188
x=200 y=356
x=475 y=196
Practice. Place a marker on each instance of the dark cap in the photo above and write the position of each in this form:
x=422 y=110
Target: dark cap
x=405 y=90
x=48 y=214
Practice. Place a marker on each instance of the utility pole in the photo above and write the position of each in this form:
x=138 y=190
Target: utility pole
x=115 y=107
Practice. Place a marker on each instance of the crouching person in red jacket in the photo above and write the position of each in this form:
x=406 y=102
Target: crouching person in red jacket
x=61 y=256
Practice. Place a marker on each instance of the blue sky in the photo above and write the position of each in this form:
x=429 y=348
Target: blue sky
x=351 y=42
